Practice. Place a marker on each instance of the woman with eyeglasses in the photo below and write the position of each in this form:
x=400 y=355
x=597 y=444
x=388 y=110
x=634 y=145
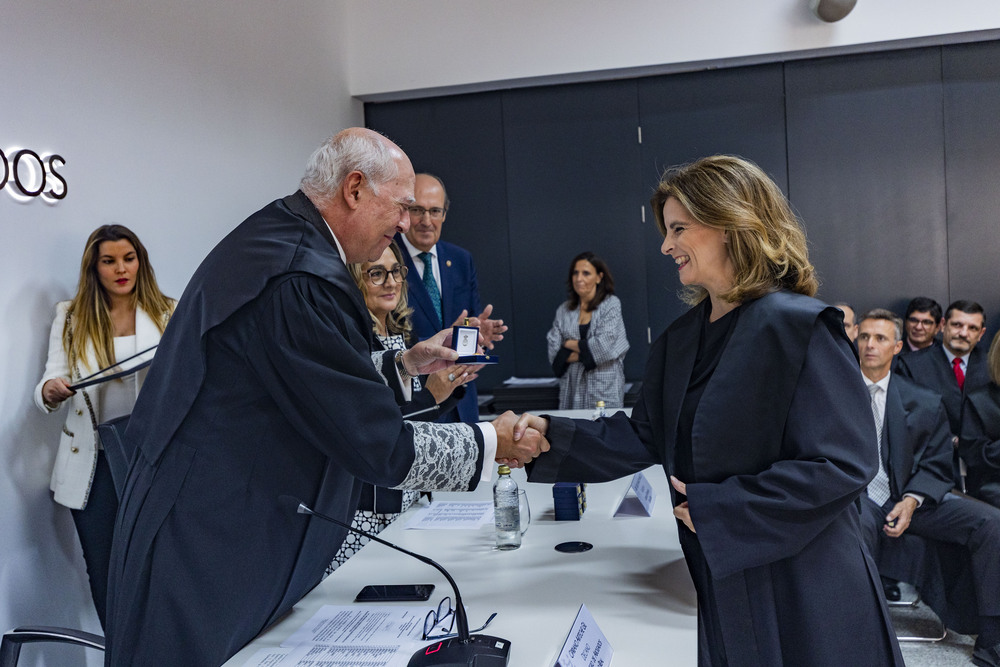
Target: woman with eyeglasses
x=587 y=341
x=753 y=404
x=383 y=285
x=118 y=311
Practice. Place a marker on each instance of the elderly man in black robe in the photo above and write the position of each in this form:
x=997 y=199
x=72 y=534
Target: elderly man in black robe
x=264 y=386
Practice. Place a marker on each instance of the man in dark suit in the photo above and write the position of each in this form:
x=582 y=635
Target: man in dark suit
x=956 y=365
x=910 y=491
x=922 y=322
x=265 y=387
x=952 y=367
x=443 y=288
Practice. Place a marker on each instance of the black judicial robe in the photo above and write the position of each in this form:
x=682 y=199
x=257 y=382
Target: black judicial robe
x=782 y=445
x=264 y=385
x=979 y=444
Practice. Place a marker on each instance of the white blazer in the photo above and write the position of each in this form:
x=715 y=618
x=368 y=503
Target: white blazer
x=76 y=459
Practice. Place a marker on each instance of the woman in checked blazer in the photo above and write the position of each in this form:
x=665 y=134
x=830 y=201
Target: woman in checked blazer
x=587 y=341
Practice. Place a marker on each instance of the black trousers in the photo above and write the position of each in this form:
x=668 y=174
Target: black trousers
x=95 y=525
x=964 y=522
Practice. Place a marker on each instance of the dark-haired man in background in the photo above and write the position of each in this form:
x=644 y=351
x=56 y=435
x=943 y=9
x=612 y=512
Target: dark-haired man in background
x=922 y=323
x=954 y=366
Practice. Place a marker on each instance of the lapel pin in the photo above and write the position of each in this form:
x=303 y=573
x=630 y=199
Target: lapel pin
x=448 y=263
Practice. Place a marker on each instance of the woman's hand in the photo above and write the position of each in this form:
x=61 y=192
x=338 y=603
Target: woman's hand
x=55 y=391
x=682 y=511
x=572 y=345
x=442 y=383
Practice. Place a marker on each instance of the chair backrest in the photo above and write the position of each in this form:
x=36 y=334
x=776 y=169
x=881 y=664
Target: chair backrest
x=10 y=647
x=118 y=455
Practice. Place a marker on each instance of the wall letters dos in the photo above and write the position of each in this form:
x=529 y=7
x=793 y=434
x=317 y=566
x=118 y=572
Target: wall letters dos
x=25 y=175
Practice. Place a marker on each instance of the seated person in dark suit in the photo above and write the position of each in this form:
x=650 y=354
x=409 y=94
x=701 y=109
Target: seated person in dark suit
x=953 y=367
x=979 y=442
x=922 y=322
x=850 y=325
x=910 y=491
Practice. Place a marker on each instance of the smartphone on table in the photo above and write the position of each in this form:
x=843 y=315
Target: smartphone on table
x=395 y=593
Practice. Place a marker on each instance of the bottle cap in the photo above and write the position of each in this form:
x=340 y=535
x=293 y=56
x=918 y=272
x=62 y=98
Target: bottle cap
x=503 y=470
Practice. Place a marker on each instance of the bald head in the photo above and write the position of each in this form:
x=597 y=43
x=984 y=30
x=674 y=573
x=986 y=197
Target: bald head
x=362 y=185
x=432 y=208
x=354 y=149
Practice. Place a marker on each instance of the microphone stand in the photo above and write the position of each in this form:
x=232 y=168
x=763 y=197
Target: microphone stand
x=463 y=650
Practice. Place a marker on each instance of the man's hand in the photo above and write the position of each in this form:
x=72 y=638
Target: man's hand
x=515 y=448
x=491 y=331
x=898 y=520
x=682 y=511
x=55 y=391
x=431 y=355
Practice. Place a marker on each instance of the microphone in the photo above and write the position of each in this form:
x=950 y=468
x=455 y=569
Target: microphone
x=465 y=650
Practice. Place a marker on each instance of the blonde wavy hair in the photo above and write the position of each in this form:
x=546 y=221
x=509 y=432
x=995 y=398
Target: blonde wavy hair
x=89 y=313
x=766 y=242
x=398 y=321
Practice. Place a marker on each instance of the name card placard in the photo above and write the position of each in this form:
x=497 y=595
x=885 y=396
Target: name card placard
x=641 y=502
x=586 y=645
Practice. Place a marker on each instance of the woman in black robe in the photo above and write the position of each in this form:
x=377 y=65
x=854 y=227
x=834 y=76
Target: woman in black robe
x=754 y=405
x=979 y=445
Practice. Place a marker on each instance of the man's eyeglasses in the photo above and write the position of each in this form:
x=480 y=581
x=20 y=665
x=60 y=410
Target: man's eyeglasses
x=915 y=321
x=377 y=274
x=417 y=212
x=436 y=618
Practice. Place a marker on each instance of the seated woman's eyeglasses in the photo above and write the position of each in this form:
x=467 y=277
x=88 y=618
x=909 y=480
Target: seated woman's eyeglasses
x=377 y=274
x=443 y=613
x=417 y=212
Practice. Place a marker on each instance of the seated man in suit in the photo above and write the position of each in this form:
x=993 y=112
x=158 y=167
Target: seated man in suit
x=443 y=286
x=954 y=367
x=922 y=323
x=850 y=326
x=910 y=491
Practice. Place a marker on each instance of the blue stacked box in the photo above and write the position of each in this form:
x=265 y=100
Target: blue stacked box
x=570 y=499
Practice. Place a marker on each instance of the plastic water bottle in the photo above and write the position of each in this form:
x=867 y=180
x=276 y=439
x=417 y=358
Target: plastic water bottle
x=506 y=514
x=599 y=411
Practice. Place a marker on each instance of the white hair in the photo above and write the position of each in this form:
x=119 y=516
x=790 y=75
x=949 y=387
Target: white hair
x=344 y=152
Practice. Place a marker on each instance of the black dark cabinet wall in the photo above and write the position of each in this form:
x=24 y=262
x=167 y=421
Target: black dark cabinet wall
x=866 y=174
x=688 y=116
x=972 y=171
x=891 y=159
x=573 y=185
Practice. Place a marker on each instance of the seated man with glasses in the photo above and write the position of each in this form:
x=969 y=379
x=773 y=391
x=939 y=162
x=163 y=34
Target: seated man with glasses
x=923 y=321
x=443 y=287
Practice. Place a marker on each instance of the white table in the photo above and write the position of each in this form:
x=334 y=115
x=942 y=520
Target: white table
x=634 y=581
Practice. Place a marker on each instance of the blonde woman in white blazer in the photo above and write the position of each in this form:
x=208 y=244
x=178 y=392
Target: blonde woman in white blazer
x=118 y=311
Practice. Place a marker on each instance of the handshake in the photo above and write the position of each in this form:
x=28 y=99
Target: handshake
x=520 y=439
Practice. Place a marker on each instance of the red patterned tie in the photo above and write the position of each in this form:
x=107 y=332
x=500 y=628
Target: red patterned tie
x=959 y=375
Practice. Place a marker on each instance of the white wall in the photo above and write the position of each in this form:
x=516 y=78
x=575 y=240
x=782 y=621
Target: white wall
x=443 y=43
x=177 y=119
